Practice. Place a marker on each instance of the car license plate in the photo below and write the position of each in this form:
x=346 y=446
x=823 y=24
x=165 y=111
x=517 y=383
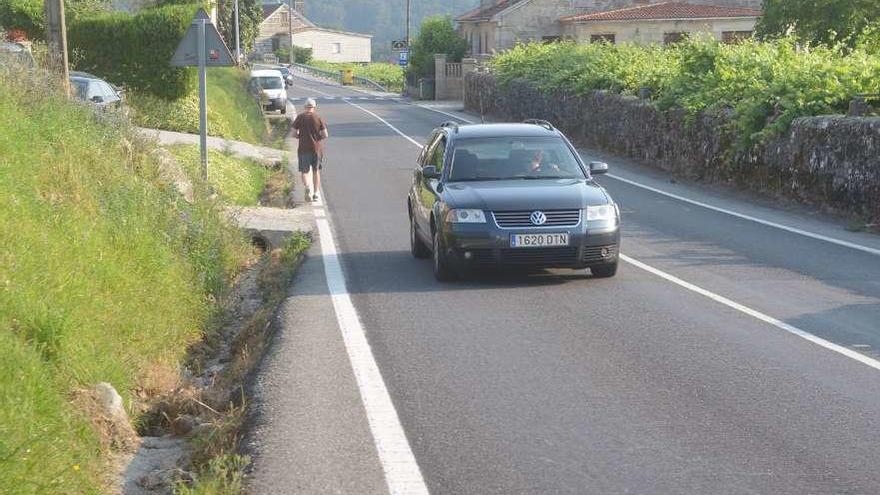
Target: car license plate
x=538 y=240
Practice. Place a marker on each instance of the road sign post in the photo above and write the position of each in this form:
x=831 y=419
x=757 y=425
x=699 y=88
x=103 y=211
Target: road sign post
x=203 y=101
x=403 y=58
x=202 y=47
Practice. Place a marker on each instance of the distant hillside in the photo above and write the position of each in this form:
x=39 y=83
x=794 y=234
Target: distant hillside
x=383 y=19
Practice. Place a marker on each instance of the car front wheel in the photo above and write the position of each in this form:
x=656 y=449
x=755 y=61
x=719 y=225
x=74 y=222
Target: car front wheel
x=443 y=272
x=604 y=271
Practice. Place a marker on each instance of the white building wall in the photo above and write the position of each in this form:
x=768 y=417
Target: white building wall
x=534 y=20
x=331 y=46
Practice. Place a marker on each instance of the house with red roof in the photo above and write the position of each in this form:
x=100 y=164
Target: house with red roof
x=329 y=45
x=497 y=25
x=666 y=22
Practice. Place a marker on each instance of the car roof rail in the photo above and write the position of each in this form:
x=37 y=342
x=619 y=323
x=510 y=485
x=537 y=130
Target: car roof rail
x=450 y=123
x=543 y=123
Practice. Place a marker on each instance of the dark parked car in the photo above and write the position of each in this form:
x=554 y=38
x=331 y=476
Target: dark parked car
x=515 y=195
x=91 y=89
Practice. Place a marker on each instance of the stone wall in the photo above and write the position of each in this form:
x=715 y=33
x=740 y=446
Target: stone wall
x=831 y=161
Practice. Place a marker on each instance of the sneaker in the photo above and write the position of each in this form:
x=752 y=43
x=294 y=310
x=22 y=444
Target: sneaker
x=315 y=197
x=308 y=195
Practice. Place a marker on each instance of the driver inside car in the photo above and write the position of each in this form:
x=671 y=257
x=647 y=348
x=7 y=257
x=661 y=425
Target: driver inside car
x=540 y=165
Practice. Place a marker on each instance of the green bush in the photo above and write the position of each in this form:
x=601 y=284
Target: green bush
x=301 y=55
x=766 y=84
x=390 y=76
x=26 y=15
x=110 y=275
x=436 y=35
x=135 y=50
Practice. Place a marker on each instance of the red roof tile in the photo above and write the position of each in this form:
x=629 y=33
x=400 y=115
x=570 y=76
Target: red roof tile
x=478 y=14
x=667 y=10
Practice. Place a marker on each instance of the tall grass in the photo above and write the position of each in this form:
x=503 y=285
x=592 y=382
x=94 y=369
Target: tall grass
x=232 y=112
x=238 y=181
x=106 y=274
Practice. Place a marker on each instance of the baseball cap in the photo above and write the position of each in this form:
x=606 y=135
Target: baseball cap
x=311 y=103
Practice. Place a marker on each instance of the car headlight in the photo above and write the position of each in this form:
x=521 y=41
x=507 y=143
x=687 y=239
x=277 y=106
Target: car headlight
x=601 y=213
x=466 y=216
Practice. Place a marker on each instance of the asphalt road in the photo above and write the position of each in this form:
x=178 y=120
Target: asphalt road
x=559 y=383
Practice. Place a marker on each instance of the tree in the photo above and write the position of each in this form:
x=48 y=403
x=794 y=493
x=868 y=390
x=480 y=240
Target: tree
x=437 y=35
x=249 y=19
x=820 y=21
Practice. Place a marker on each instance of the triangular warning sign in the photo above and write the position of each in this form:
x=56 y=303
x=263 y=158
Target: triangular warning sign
x=216 y=52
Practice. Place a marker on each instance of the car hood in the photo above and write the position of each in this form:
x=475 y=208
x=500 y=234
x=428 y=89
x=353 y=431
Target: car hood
x=548 y=194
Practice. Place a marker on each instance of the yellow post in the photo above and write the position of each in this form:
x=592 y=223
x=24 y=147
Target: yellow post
x=347 y=77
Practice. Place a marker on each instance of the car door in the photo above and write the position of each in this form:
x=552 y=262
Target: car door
x=427 y=188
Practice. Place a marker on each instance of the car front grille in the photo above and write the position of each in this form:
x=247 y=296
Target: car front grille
x=600 y=254
x=520 y=219
x=561 y=256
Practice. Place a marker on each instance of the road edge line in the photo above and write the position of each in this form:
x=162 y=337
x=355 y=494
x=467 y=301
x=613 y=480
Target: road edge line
x=402 y=473
x=866 y=360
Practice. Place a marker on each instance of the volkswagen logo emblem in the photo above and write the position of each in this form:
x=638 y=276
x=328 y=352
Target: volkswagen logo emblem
x=538 y=218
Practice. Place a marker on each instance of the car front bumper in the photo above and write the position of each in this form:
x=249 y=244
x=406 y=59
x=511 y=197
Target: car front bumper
x=487 y=245
x=275 y=104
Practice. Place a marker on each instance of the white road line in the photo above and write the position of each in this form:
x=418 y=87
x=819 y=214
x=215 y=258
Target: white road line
x=755 y=314
x=711 y=295
x=750 y=218
x=402 y=473
x=395 y=129
x=466 y=121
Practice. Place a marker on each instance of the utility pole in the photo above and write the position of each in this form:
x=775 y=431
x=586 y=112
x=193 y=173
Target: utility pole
x=290 y=30
x=407 y=24
x=56 y=35
x=237 y=37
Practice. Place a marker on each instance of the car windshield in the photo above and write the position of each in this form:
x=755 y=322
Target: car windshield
x=513 y=158
x=269 y=82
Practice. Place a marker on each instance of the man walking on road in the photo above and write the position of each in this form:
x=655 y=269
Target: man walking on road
x=311 y=132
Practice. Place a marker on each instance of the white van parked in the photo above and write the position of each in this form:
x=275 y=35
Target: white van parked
x=268 y=85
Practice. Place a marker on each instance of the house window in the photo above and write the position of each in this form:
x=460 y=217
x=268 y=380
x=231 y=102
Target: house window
x=670 y=38
x=336 y=48
x=735 y=36
x=603 y=38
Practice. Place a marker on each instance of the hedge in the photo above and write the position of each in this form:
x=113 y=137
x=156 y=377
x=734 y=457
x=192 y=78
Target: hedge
x=766 y=85
x=135 y=50
x=23 y=15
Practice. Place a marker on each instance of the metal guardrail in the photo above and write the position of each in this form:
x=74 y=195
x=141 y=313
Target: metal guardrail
x=337 y=76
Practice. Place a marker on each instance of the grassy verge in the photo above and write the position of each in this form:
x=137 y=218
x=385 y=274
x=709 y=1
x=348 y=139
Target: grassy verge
x=232 y=112
x=219 y=469
x=237 y=181
x=107 y=275
x=388 y=75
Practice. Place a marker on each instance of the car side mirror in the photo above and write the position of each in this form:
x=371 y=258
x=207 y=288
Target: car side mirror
x=97 y=99
x=430 y=172
x=597 y=168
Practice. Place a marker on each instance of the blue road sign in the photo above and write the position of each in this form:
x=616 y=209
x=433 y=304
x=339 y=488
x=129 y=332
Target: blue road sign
x=403 y=58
